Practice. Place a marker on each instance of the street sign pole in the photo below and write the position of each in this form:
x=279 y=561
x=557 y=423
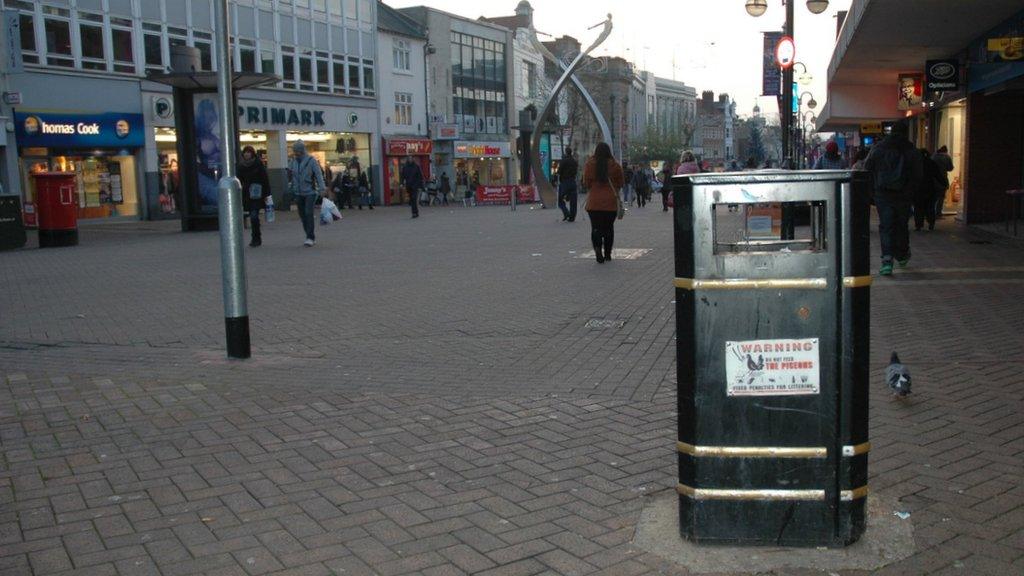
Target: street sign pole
x=785 y=112
x=229 y=192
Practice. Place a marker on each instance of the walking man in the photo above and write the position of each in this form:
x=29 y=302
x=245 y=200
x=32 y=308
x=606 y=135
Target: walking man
x=896 y=171
x=306 y=181
x=568 y=193
x=412 y=181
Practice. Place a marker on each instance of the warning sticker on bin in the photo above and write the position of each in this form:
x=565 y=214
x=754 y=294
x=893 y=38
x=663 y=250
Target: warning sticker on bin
x=772 y=367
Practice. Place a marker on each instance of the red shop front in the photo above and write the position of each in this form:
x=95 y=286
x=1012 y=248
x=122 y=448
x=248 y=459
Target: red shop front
x=395 y=152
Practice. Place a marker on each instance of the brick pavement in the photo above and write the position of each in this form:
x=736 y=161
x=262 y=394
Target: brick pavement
x=427 y=398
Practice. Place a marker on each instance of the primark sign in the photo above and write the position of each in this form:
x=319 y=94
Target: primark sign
x=276 y=116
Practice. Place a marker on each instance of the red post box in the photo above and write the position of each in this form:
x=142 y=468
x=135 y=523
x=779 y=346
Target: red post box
x=57 y=207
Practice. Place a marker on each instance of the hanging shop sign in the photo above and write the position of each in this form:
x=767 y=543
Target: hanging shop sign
x=466 y=149
x=942 y=75
x=409 y=147
x=62 y=130
x=911 y=91
x=771 y=75
x=870 y=128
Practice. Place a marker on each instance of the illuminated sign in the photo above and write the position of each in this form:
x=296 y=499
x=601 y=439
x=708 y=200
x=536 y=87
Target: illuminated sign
x=464 y=149
x=58 y=130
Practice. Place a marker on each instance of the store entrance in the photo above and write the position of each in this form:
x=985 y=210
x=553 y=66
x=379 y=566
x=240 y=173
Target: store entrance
x=105 y=180
x=483 y=171
x=398 y=195
x=951 y=135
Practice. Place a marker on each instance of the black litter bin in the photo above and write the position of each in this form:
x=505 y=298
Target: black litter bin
x=12 y=229
x=772 y=357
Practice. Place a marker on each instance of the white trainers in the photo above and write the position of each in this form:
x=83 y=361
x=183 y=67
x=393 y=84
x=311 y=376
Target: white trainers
x=309 y=242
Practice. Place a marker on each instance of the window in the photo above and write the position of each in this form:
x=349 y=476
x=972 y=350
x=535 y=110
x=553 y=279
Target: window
x=28 y=39
x=403 y=108
x=400 y=53
x=121 y=41
x=267 y=58
x=90 y=33
x=152 y=47
x=368 y=89
x=58 y=37
x=246 y=55
x=530 y=79
x=323 y=78
x=288 y=67
x=353 y=77
x=338 y=69
x=204 y=42
x=305 y=72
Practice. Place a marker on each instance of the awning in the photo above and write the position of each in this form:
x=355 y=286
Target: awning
x=881 y=39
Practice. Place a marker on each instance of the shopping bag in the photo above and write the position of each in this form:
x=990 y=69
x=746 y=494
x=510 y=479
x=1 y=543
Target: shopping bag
x=326 y=217
x=270 y=209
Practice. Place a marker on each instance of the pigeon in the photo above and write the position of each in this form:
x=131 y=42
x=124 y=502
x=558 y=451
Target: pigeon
x=898 y=377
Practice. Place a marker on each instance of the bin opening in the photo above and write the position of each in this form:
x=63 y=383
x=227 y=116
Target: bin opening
x=741 y=228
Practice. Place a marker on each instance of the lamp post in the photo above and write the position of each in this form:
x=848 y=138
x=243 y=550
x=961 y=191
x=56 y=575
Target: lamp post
x=812 y=104
x=803 y=131
x=757 y=8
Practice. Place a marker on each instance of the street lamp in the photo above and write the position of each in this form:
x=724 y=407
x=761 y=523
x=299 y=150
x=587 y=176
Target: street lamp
x=757 y=8
x=817 y=6
x=812 y=103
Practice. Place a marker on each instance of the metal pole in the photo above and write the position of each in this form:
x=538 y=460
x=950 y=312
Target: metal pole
x=229 y=203
x=786 y=114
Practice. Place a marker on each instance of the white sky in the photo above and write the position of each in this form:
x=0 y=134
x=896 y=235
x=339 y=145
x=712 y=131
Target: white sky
x=715 y=44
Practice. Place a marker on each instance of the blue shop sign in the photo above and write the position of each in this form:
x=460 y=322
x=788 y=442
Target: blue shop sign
x=63 y=130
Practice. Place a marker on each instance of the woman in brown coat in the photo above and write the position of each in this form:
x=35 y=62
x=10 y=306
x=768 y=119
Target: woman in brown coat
x=602 y=176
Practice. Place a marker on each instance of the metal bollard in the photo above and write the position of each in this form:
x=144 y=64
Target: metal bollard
x=232 y=265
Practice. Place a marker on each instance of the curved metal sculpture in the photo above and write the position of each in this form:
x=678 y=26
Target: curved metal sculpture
x=548 y=195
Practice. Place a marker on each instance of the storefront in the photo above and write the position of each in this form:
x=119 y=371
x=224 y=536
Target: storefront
x=338 y=137
x=100 y=149
x=395 y=152
x=486 y=163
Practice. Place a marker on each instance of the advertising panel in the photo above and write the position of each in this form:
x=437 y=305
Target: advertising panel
x=503 y=194
x=69 y=130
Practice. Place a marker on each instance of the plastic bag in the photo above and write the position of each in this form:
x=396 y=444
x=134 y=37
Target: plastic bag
x=270 y=209
x=329 y=212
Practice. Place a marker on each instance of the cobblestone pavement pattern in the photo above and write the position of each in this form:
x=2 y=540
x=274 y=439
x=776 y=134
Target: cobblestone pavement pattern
x=459 y=394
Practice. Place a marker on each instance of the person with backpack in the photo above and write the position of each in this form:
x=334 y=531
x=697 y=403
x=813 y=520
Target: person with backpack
x=896 y=170
x=944 y=161
x=306 y=181
x=640 y=186
x=924 y=197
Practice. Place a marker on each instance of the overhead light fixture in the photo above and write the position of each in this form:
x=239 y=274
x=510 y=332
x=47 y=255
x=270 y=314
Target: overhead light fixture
x=757 y=7
x=817 y=6
x=812 y=103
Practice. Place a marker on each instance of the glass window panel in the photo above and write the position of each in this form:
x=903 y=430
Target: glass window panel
x=122 y=44
x=205 y=55
x=305 y=69
x=151 y=45
x=288 y=70
x=323 y=79
x=353 y=78
x=467 y=61
x=267 y=64
x=28 y=33
x=248 y=60
x=339 y=76
x=58 y=37
x=350 y=8
x=368 y=79
x=92 y=41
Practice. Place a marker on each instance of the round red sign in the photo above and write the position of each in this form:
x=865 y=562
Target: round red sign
x=785 y=52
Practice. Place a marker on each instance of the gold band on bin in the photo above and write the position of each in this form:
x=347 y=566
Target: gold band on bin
x=856 y=281
x=857 y=450
x=747 y=284
x=855 y=494
x=768 y=283
x=751 y=451
x=737 y=494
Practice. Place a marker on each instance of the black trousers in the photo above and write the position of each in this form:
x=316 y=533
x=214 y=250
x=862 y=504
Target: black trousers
x=924 y=208
x=602 y=230
x=413 y=201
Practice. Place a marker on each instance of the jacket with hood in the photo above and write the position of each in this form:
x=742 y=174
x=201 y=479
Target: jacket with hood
x=304 y=173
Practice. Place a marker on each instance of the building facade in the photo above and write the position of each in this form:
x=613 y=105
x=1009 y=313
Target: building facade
x=404 y=124
x=99 y=52
x=469 y=85
x=974 y=110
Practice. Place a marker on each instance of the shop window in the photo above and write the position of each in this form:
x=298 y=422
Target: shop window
x=58 y=38
x=368 y=88
x=152 y=47
x=90 y=33
x=400 y=54
x=403 y=108
x=28 y=38
x=121 y=42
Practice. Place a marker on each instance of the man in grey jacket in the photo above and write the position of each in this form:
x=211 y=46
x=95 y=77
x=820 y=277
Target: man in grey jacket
x=306 y=182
